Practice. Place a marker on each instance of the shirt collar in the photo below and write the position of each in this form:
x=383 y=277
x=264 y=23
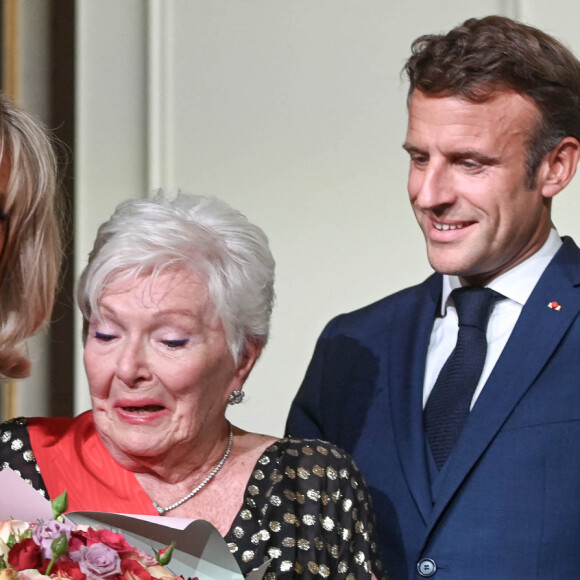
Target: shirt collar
x=518 y=282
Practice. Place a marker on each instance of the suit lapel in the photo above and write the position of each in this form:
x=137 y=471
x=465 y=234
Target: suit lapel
x=414 y=323
x=536 y=335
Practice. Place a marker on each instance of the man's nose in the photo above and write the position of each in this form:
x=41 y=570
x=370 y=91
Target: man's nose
x=434 y=187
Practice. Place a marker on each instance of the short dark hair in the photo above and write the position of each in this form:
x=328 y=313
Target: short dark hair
x=483 y=56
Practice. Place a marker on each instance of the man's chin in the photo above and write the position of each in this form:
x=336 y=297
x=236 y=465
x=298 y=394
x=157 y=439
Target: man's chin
x=452 y=267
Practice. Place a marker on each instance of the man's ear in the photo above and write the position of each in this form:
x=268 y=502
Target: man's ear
x=559 y=166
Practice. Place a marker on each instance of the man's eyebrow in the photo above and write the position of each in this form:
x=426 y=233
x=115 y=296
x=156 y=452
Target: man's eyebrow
x=476 y=156
x=412 y=148
x=459 y=155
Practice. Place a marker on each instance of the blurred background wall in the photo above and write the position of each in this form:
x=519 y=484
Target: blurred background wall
x=293 y=112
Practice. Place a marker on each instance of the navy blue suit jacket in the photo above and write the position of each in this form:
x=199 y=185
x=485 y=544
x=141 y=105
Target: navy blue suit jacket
x=507 y=504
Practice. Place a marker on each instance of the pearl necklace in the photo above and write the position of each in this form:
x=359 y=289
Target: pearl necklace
x=212 y=474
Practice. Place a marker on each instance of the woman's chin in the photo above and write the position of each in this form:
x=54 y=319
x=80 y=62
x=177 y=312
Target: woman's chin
x=135 y=436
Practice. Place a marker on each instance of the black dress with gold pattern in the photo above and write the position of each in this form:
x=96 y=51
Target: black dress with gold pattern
x=306 y=507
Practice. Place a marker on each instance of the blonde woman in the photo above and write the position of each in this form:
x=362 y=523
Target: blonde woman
x=30 y=250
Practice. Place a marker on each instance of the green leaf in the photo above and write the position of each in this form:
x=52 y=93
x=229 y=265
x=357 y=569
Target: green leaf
x=59 y=548
x=59 y=505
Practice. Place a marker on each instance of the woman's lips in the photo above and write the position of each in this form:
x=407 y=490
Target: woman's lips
x=140 y=411
x=143 y=408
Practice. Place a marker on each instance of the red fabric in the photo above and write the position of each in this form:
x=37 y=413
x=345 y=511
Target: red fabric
x=72 y=456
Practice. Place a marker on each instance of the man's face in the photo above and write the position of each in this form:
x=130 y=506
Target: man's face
x=466 y=183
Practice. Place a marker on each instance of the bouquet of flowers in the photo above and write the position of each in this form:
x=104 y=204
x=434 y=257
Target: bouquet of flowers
x=57 y=549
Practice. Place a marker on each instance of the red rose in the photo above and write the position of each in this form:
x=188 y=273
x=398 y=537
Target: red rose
x=132 y=570
x=25 y=555
x=111 y=539
x=66 y=569
x=77 y=539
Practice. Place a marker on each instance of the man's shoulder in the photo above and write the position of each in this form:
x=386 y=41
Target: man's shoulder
x=378 y=312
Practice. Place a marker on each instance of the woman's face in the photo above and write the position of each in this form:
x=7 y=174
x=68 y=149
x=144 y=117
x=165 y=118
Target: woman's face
x=159 y=368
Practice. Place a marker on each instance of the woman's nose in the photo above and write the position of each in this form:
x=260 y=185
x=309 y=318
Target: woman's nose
x=133 y=363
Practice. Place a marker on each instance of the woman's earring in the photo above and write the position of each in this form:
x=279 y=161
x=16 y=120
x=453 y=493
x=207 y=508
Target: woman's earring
x=236 y=397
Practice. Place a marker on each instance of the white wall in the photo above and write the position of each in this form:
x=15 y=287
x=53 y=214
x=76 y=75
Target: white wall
x=294 y=112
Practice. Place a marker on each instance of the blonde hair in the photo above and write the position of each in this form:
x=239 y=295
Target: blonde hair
x=31 y=256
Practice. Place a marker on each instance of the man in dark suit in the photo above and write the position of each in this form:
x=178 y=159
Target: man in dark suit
x=490 y=490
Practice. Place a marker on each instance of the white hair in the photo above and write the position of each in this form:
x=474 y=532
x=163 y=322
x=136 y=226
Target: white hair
x=201 y=234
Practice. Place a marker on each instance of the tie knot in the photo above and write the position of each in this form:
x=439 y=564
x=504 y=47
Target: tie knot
x=474 y=305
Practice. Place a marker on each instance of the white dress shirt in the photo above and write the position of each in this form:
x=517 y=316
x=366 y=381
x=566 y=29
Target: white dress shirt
x=516 y=285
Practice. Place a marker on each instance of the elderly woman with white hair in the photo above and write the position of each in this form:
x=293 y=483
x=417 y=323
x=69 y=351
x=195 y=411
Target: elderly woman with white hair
x=177 y=297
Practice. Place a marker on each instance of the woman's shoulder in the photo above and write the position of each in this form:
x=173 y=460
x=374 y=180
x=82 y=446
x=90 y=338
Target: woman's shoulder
x=16 y=453
x=322 y=457
x=12 y=432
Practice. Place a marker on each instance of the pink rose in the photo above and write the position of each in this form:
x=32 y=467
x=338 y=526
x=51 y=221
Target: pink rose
x=98 y=561
x=46 y=532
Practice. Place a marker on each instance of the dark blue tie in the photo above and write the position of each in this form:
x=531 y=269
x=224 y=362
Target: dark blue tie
x=448 y=405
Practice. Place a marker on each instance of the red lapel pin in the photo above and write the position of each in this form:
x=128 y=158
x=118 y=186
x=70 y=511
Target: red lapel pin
x=554 y=306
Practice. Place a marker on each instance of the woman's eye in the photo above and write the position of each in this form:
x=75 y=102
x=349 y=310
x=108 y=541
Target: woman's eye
x=103 y=337
x=175 y=343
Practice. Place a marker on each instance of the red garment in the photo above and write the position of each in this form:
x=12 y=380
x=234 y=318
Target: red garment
x=71 y=456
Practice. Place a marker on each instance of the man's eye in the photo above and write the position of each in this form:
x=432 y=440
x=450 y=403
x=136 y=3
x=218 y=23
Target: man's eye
x=175 y=343
x=104 y=337
x=419 y=159
x=470 y=164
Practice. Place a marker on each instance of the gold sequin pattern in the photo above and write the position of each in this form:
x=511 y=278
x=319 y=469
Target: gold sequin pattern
x=303 y=473
x=238 y=532
x=319 y=471
x=16 y=445
x=258 y=474
x=303 y=544
x=311 y=515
